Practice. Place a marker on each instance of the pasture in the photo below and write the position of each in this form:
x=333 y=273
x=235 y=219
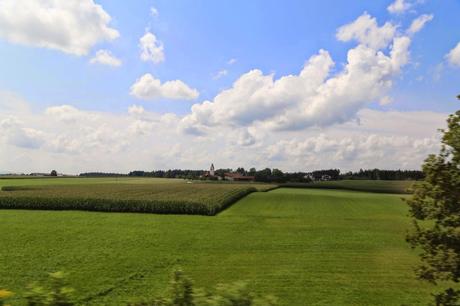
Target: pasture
x=306 y=246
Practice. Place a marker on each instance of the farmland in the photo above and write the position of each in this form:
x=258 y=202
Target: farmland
x=395 y=187
x=126 y=195
x=306 y=246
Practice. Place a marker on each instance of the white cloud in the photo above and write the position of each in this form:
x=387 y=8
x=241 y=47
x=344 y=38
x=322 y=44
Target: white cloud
x=10 y=103
x=151 y=48
x=136 y=110
x=68 y=114
x=419 y=23
x=315 y=96
x=71 y=26
x=399 y=6
x=220 y=74
x=232 y=61
x=154 y=12
x=148 y=87
x=453 y=57
x=36 y=143
x=14 y=133
x=105 y=57
x=366 y=31
x=385 y=100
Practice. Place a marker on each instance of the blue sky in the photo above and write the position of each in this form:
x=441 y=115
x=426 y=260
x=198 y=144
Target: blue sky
x=200 y=38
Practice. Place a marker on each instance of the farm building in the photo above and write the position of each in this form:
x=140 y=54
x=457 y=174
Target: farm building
x=238 y=177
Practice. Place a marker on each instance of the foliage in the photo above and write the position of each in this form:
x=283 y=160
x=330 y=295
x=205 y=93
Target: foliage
x=278 y=176
x=54 y=293
x=179 y=198
x=53 y=173
x=435 y=208
x=378 y=174
x=181 y=292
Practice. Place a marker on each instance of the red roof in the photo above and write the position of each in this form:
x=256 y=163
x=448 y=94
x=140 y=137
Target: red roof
x=239 y=176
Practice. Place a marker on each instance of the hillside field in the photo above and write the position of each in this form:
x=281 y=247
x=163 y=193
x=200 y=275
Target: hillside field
x=306 y=246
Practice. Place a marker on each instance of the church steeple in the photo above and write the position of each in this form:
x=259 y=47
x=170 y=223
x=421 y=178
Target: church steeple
x=211 y=170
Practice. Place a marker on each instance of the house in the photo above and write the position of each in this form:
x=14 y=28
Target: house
x=238 y=177
x=326 y=177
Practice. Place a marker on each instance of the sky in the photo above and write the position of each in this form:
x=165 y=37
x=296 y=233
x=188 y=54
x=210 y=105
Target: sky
x=115 y=86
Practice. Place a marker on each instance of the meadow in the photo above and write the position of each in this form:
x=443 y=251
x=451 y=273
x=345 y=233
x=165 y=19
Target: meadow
x=306 y=246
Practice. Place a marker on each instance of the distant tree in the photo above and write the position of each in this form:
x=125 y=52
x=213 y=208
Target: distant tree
x=241 y=171
x=53 y=173
x=435 y=209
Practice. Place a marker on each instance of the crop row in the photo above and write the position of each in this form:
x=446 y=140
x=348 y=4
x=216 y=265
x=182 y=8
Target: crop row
x=197 y=199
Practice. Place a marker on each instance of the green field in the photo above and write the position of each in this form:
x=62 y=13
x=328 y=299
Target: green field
x=306 y=246
x=123 y=195
x=41 y=181
x=394 y=187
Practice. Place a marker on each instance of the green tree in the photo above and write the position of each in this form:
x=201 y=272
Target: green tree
x=435 y=209
x=53 y=173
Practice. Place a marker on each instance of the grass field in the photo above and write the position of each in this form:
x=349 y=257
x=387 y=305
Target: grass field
x=395 y=187
x=123 y=195
x=306 y=246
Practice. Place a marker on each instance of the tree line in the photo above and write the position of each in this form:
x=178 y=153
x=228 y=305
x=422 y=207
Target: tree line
x=274 y=175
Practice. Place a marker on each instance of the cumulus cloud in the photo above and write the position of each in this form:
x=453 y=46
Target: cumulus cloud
x=372 y=148
x=453 y=57
x=148 y=87
x=108 y=143
x=14 y=133
x=136 y=110
x=105 y=57
x=419 y=23
x=151 y=48
x=399 y=6
x=71 y=26
x=366 y=31
x=315 y=96
x=68 y=114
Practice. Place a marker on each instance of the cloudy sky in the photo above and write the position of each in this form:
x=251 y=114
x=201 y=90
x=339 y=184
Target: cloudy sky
x=102 y=85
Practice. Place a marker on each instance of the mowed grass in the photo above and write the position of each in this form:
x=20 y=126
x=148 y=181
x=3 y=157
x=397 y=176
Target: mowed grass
x=151 y=196
x=381 y=186
x=306 y=246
